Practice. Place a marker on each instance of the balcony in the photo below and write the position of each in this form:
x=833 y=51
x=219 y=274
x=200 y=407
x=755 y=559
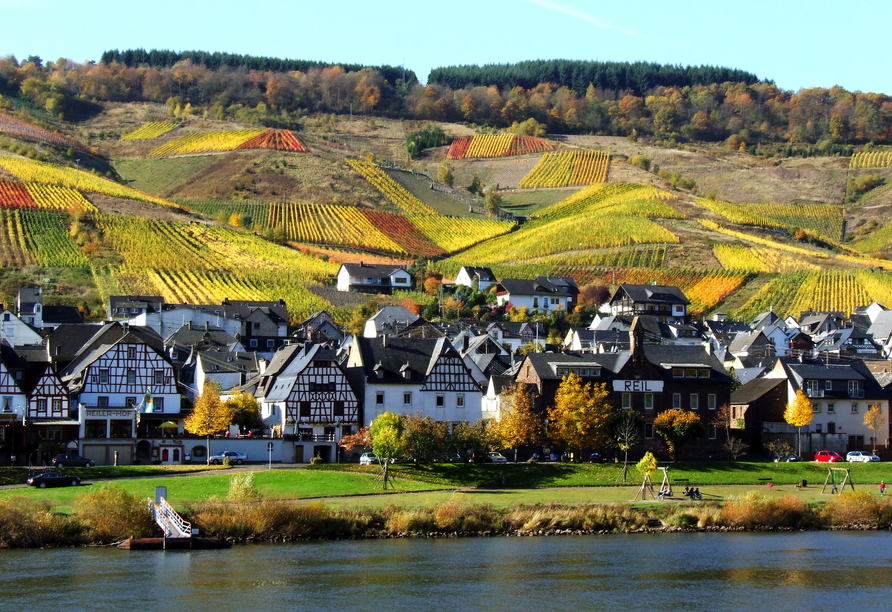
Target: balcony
x=307 y=437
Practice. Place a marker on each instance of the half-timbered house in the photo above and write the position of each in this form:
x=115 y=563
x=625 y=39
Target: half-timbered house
x=418 y=376
x=13 y=402
x=305 y=392
x=121 y=377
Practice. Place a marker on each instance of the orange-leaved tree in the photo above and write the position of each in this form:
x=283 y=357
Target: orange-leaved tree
x=519 y=423
x=873 y=418
x=209 y=415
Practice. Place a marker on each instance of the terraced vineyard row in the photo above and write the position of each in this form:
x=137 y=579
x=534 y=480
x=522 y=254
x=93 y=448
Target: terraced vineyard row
x=736 y=257
x=27 y=131
x=29 y=171
x=390 y=189
x=39 y=195
x=151 y=130
x=822 y=219
x=345 y=226
x=205 y=142
x=48 y=239
x=13 y=240
x=496 y=145
x=277 y=140
x=647 y=256
x=628 y=199
x=795 y=292
x=566 y=168
x=871 y=159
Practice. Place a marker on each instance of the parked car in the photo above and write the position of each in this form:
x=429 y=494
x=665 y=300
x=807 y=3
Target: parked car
x=68 y=460
x=233 y=456
x=598 y=458
x=498 y=458
x=451 y=458
x=791 y=458
x=53 y=479
x=862 y=456
x=479 y=456
x=828 y=456
x=368 y=459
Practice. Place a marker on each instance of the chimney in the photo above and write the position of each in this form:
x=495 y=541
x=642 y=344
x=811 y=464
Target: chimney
x=261 y=365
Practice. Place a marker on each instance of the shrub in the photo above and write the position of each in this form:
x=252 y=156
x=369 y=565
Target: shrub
x=111 y=513
x=858 y=508
x=756 y=511
x=408 y=520
x=641 y=161
x=242 y=488
x=26 y=523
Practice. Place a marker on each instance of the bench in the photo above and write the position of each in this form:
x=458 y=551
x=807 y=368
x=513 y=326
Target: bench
x=764 y=479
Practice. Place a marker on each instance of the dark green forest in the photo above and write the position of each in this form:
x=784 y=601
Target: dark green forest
x=637 y=77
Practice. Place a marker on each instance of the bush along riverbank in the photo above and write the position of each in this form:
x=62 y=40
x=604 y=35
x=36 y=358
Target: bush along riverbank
x=110 y=515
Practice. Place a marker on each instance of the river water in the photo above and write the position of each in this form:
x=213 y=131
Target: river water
x=811 y=572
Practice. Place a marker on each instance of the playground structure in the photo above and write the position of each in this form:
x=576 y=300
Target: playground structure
x=647 y=486
x=838 y=478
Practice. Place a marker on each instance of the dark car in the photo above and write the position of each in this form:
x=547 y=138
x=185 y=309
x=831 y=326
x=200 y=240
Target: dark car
x=69 y=460
x=53 y=479
x=479 y=456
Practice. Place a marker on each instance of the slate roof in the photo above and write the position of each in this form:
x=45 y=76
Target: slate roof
x=754 y=389
x=656 y=294
x=364 y=270
x=61 y=315
x=540 y=286
x=394 y=356
x=485 y=274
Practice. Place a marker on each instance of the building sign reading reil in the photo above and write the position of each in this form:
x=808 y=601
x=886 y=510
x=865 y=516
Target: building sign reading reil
x=638 y=386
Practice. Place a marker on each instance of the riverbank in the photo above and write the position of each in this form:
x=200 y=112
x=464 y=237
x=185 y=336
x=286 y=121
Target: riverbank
x=110 y=514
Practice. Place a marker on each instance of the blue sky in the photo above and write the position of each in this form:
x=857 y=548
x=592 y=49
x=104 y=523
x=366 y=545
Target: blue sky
x=795 y=43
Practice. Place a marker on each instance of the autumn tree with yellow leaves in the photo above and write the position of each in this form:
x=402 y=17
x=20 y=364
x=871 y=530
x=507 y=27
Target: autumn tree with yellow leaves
x=209 y=415
x=799 y=413
x=677 y=426
x=519 y=422
x=582 y=414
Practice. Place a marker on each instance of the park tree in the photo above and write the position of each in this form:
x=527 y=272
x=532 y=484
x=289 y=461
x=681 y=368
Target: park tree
x=388 y=442
x=779 y=449
x=424 y=438
x=209 y=415
x=519 y=422
x=245 y=410
x=582 y=414
x=626 y=434
x=445 y=173
x=873 y=419
x=799 y=413
x=677 y=427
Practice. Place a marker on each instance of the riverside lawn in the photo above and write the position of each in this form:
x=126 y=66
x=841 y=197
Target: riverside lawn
x=498 y=485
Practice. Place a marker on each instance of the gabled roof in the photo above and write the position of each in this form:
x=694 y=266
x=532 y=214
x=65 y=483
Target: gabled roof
x=153 y=303
x=881 y=328
x=220 y=360
x=541 y=286
x=107 y=336
x=60 y=315
x=364 y=270
x=755 y=389
x=484 y=274
x=395 y=360
x=657 y=294
x=744 y=341
x=764 y=319
x=546 y=365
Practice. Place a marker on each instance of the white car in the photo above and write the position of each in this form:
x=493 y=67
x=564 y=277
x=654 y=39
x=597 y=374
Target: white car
x=862 y=456
x=497 y=458
x=233 y=456
x=368 y=459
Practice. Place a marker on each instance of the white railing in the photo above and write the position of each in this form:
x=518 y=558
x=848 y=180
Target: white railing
x=171 y=523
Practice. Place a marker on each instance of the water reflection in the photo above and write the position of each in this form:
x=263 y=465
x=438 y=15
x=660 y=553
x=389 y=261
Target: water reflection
x=796 y=571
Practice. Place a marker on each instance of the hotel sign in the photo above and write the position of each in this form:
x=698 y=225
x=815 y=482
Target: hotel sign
x=105 y=413
x=638 y=386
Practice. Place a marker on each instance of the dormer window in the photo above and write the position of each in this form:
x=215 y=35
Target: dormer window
x=406 y=371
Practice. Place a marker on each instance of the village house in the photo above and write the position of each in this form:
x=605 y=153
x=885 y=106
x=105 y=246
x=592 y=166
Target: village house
x=305 y=395
x=372 y=278
x=468 y=275
x=543 y=294
x=665 y=302
x=418 y=376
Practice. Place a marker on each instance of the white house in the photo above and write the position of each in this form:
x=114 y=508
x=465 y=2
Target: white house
x=467 y=275
x=16 y=332
x=371 y=278
x=544 y=294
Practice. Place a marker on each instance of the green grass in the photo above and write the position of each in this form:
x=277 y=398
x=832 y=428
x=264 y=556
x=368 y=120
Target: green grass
x=273 y=484
x=500 y=485
x=162 y=176
x=525 y=203
x=419 y=187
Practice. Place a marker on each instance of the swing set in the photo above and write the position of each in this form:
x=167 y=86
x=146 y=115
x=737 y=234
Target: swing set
x=647 y=486
x=838 y=478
